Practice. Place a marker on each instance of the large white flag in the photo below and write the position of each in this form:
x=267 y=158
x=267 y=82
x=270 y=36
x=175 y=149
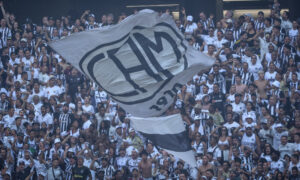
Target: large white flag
x=141 y=62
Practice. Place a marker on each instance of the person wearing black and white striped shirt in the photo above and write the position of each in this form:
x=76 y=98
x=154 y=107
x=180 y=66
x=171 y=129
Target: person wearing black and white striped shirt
x=70 y=163
x=273 y=106
x=5 y=32
x=285 y=56
x=244 y=74
x=108 y=169
x=65 y=119
x=277 y=36
x=259 y=22
x=247 y=159
x=294 y=83
x=4 y=104
x=219 y=78
x=236 y=32
x=207 y=23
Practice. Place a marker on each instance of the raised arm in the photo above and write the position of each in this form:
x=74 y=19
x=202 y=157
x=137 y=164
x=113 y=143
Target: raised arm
x=5 y=15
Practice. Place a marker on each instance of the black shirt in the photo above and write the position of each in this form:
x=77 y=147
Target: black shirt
x=21 y=175
x=219 y=99
x=80 y=173
x=74 y=82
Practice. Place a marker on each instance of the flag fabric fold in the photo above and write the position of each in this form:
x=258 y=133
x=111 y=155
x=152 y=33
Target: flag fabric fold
x=167 y=132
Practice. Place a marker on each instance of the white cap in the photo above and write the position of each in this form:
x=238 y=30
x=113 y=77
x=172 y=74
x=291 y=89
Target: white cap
x=189 y=18
x=229 y=21
x=264 y=121
x=118 y=126
x=57 y=140
x=131 y=130
x=250 y=116
x=248 y=126
x=278 y=125
x=24 y=40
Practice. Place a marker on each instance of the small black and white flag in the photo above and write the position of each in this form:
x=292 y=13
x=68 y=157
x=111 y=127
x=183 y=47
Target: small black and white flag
x=141 y=62
x=168 y=133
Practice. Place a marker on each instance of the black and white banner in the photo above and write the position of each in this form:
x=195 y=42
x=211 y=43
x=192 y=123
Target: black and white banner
x=168 y=133
x=141 y=62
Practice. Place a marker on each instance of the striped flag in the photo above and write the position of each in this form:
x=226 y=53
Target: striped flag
x=168 y=133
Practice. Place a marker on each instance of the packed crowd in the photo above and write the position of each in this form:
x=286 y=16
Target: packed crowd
x=243 y=114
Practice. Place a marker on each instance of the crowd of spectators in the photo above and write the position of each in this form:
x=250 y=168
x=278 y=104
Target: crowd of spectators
x=242 y=115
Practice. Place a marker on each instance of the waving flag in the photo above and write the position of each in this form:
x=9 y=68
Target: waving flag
x=141 y=62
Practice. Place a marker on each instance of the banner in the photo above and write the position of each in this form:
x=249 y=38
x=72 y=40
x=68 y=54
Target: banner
x=141 y=62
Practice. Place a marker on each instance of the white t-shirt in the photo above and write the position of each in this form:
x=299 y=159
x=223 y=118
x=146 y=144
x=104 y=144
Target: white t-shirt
x=36 y=73
x=31 y=59
x=238 y=108
x=208 y=40
x=276 y=138
x=270 y=76
x=277 y=165
x=215 y=150
x=86 y=124
x=287 y=149
x=133 y=163
x=200 y=96
x=27 y=64
x=88 y=109
x=294 y=165
x=52 y=91
x=44 y=78
x=100 y=96
x=293 y=33
x=121 y=162
x=48 y=119
x=40 y=168
x=232 y=125
x=37 y=107
x=40 y=94
x=246 y=114
x=190 y=28
x=254 y=69
x=219 y=43
x=16 y=61
x=9 y=120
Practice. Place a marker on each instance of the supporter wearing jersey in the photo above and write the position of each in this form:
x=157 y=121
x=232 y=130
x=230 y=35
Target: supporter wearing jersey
x=250 y=139
x=81 y=172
